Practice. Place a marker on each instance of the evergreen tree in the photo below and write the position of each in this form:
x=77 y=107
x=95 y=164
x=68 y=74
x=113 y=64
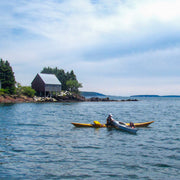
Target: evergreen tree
x=7 y=77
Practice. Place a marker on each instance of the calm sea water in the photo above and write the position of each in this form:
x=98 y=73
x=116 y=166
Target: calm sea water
x=38 y=141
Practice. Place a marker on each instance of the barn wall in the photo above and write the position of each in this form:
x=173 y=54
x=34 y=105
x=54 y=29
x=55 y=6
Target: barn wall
x=38 y=84
x=52 y=88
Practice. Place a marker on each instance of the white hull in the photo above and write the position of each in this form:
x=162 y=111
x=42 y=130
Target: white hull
x=124 y=127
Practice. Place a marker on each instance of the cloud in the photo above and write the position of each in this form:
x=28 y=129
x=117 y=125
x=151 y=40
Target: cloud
x=102 y=41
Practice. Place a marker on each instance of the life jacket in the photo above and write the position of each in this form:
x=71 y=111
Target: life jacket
x=108 y=121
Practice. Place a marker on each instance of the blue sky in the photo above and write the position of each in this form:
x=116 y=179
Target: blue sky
x=117 y=47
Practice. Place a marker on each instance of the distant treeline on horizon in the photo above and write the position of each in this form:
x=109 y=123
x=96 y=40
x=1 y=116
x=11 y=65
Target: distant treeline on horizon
x=87 y=93
x=155 y=96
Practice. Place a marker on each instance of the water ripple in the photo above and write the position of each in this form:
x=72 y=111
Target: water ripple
x=38 y=141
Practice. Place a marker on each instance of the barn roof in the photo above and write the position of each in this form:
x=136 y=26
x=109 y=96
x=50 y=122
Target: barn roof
x=49 y=79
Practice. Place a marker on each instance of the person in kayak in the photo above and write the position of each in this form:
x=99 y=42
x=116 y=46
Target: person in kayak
x=109 y=121
x=131 y=124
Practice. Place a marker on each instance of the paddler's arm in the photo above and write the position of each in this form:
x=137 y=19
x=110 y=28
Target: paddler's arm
x=122 y=123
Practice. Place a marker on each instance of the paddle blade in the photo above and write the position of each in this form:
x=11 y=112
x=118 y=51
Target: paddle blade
x=97 y=124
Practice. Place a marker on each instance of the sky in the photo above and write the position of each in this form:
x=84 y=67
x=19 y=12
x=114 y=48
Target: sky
x=115 y=47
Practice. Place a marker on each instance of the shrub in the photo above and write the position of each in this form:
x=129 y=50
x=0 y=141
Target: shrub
x=28 y=91
x=3 y=91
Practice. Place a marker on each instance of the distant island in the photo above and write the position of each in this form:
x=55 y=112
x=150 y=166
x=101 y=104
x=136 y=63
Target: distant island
x=96 y=94
x=91 y=94
x=155 y=96
x=145 y=96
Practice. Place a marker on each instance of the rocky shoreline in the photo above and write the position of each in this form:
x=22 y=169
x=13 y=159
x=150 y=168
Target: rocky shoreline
x=15 y=99
x=67 y=98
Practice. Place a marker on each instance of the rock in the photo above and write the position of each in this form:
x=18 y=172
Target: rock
x=15 y=99
x=99 y=99
x=44 y=99
x=70 y=97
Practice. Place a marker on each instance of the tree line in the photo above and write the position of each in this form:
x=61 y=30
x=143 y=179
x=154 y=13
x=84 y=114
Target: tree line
x=7 y=77
x=10 y=86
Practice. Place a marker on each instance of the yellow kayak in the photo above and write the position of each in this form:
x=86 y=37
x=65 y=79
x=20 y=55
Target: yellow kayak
x=96 y=124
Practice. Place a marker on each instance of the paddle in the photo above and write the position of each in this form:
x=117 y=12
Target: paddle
x=121 y=123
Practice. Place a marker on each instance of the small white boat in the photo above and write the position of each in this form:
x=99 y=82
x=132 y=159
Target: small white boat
x=124 y=127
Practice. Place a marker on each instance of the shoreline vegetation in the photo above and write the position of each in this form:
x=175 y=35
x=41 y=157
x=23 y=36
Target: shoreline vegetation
x=65 y=98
